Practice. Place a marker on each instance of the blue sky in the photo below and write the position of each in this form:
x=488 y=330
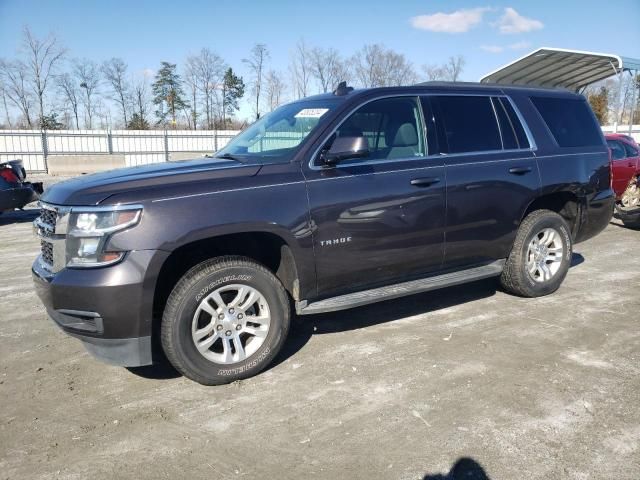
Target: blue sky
x=488 y=34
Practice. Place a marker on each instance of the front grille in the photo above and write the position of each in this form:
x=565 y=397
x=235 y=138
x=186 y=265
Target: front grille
x=46 y=224
x=48 y=217
x=47 y=252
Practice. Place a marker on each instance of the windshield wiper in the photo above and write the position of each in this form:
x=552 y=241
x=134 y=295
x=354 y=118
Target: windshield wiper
x=228 y=156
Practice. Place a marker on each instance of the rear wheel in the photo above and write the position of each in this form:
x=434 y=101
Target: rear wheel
x=541 y=255
x=225 y=320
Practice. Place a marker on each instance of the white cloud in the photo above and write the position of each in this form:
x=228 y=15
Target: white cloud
x=512 y=22
x=500 y=48
x=492 y=48
x=520 y=45
x=459 y=21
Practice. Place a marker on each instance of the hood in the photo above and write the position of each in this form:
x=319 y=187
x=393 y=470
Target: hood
x=98 y=187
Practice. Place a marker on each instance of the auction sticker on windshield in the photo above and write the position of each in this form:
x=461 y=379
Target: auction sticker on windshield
x=311 y=112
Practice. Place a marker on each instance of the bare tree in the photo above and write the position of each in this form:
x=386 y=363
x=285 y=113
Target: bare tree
x=454 y=67
x=327 y=68
x=256 y=63
x=190 y=76
x=141 y=100
x=434 y=72
x=88 y=76
x=115 y=73
x=367 y=66
x=43 y=58
x=4 y=102
x=399 y=70
x=69 y=88
x=209 y=70
x=16 y=87
x=376 y=66
x=102 y=112
x=274 y=89
x=300 y=69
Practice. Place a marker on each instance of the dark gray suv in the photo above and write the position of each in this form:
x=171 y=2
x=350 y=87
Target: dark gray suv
x=327 y=203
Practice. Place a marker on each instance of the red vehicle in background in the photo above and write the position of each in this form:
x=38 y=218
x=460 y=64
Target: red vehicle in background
x=625 y=155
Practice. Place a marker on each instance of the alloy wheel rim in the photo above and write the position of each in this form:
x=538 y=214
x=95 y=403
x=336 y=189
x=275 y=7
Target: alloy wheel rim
x=544 y=255
x=230 y=324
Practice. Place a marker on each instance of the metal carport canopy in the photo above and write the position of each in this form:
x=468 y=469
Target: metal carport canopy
x=557 y=67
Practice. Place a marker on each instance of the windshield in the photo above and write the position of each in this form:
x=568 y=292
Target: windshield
x=276 y=136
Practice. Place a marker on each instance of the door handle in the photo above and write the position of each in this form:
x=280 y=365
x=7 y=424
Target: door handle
x=424 y=181
x=519 y=170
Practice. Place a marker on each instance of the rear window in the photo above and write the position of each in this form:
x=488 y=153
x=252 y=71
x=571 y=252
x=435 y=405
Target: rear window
x=570 y=121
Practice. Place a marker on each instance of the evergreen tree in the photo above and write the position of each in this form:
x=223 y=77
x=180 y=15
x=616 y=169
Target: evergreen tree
x=51 y=122
x=137 y=122
x=167 y=93
x=232 y=91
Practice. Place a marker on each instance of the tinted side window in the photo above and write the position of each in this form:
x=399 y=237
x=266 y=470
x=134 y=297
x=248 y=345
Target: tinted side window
x=617 y=150
x=521 y=136
x=468 y=122
x=392 y=126
x=509 y=140
x=569 y=120
x=631 y=152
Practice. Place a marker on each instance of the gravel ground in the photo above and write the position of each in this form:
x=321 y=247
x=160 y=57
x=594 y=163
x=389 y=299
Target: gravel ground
x=524 y=389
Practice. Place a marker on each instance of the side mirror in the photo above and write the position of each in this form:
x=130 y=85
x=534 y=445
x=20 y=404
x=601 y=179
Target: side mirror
x=344 y=148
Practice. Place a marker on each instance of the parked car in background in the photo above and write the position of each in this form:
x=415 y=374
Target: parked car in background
x=15 y=191
x=324 y=204
x=625 y=155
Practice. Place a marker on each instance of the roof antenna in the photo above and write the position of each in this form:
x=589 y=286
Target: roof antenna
x=342 y=89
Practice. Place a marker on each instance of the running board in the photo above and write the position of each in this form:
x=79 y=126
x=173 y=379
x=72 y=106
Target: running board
x=400 y=289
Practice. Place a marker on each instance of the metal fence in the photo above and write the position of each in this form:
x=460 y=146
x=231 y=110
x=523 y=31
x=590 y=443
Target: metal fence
x=139 y=147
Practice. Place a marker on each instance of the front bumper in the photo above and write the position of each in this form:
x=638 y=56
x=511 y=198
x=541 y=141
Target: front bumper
x=109 y=309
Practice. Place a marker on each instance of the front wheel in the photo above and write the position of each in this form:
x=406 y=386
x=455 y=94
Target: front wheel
x=225 y=320
x=540 y=257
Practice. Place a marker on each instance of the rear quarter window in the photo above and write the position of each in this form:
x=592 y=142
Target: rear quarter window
x=570 y=121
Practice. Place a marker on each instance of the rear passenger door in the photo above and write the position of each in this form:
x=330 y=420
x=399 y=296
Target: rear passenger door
x=633 y=155
x=491 y=174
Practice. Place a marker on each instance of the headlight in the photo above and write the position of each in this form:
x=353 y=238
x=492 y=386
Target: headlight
x=90 y=228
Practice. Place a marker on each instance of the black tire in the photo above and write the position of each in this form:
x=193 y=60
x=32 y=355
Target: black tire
x=176 y=329
x=515 y=277
x=630 y=217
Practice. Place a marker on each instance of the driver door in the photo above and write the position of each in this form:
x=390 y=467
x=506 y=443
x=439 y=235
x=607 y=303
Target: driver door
x=378 y=219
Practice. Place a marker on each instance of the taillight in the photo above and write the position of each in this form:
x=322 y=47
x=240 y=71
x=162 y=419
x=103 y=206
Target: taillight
x=9 y=176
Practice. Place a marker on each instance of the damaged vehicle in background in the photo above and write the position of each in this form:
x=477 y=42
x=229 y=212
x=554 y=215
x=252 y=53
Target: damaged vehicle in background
x=15 y=192
x=625 y=169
